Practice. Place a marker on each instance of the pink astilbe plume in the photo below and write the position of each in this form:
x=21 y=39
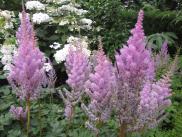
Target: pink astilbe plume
x=162 y=58
x=77 y=66
x=135 y=67
x=154 y=99
x=134 y=61
x=100 y=88
x=27 y=74
x=18 y=113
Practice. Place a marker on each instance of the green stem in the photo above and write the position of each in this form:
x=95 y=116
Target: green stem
x=51 y=97
x=28 y=117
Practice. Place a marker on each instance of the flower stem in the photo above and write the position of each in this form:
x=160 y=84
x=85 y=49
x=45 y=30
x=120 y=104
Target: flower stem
x=40 y=125
x=28 y=117
x=122 y=131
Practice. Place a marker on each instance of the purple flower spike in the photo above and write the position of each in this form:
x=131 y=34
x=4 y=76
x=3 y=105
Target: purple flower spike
x=134 y=61
x=162 y=58
x=18 y=113
x=77 y=65
x=101 y=82
x=26 y=75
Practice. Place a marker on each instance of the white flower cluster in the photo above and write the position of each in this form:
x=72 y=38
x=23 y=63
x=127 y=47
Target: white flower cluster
x=62 y=1
x=55 y=45
x=47 y=67
x=7 y=55
x=86 y=23
x=39 y=18
x=71 y=8
x=73 y=42
x=34 y=5
x=6 y=14
x=64 y=22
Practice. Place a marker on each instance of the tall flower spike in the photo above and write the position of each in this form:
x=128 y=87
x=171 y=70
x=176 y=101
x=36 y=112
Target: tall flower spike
x=77 y=66
x=18 y=113
x=27 y=74
x=134 y=62
x=135 y=66
x=162 y=58
x=100 y=88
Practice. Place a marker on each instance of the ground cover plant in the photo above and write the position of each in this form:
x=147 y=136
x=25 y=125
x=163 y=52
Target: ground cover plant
x=131 y=92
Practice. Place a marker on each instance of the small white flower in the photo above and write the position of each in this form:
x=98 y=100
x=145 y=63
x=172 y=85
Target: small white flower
x=47 y=67
x=6 y=59
x=55 y=45
x=31 y=5
x=63 y=1
x=86 y=21
x=63 y=22
x=39 y=18
x=8 y=25
x=60 y=55
x=68 y=7
x=81 y=12
x=7 y=67
x=74 y=40
x=6 y=14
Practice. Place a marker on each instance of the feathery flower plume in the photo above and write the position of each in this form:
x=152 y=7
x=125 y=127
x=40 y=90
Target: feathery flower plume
x=162 y=58
x=77 y=66
x=155 y=99
x=134 y=67
x=100 y=87
x=27 y=73
x=18 y=113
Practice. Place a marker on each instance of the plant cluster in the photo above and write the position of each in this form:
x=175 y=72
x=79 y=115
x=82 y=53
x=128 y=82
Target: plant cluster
x=127 y=90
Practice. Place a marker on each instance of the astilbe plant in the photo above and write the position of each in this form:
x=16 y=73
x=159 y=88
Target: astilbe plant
x=77 y=66
x=99 y=87
x=162 y=58
x=27 y=74
x=139 y=98
x=134 y=67
x=155 y=98
x=129 y=87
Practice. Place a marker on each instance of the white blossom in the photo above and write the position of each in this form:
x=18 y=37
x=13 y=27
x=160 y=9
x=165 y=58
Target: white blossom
x=6 y=14
x=62 y=1
x=61 y=55
x=8 y=25
x=7 y=67
x=83 y=41
x=7 y=51
x=63 y=22
x=72 y=8
x=86 y=21
x=68 y=7
x=55 y=45
x=31 y=5
x=39 y=18
x=47 y=67
x=81 y=12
